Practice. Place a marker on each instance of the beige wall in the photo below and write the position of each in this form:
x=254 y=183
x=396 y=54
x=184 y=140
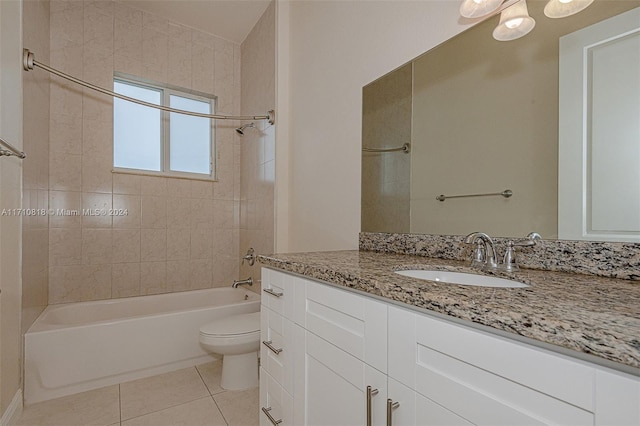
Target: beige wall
x=386 y=177
x=258 y=145
x=10 y=198
x=334 y=49
x=35 y=190
x=179 y=234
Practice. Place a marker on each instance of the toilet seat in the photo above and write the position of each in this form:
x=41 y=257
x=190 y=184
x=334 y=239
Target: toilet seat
x=235 y=325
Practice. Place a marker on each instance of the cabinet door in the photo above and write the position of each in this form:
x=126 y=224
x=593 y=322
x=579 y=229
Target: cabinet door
x=414 y=409
x=356 y=324
x=331 y=386
x=482 y=378
x=617 y=399
x=278 y=292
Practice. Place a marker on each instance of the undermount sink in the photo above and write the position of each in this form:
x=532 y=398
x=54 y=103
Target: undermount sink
x=461 y=278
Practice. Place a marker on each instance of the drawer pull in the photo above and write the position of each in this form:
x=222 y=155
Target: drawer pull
x=268 y=343
x=370 y=393
x=273 y=293
x=270 y=417
x=390 y=407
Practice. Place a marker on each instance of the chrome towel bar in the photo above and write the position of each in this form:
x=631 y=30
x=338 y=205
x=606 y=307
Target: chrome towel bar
x=506 y=194
x=11 y=150
x=406 y=148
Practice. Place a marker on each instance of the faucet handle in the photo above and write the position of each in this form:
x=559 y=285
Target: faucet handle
x=509 y=262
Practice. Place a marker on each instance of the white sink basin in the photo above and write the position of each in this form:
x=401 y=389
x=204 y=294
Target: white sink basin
x=461 y=278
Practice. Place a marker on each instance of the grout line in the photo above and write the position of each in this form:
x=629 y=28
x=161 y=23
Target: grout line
x=171 y=406
x=221 y=413
x=120 y=402
x=202 y=378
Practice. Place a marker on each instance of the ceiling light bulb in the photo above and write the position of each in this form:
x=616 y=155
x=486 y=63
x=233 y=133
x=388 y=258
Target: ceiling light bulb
x=478 y=8
x=515 y=22
x=564 y=8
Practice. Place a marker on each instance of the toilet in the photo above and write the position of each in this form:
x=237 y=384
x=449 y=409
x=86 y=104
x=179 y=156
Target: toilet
x=237 y=339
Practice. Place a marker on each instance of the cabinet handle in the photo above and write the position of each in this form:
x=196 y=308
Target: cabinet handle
x=268 y=343
x=390 y=407
x=370 y=393
x=270 y=417
x=273 y=293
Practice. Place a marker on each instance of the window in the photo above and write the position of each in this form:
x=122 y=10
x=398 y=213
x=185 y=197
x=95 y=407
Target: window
x=155 y=141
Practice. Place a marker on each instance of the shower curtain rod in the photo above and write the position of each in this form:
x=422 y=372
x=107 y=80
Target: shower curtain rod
x=29 y=62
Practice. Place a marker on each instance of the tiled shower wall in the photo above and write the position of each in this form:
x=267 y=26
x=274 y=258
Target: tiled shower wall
x=35 y=168
x=179 y=234
x=258 y=145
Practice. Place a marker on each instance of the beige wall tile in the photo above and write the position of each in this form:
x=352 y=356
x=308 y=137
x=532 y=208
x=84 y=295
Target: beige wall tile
x=201 y=213
x=201 y=243
x=96 y=246
x=202 y=65
x=126 y=184
x=133 y=205
x=151 y=185
x=180 y=188
x=99 y=206
x=68 y=202
x=178 y=244
x=154 y=212
x=201 y=189
x=178 y=275
x=224 y=214
x=153 y=245
x=66 y=133
x=200 y=274
x=96 y=174
x=178 y=213
x=65 y=246
x=226 y=270
x=96 y=282
x=125 y=280
x=126 y=245
x=65 y=171
x=153 y=277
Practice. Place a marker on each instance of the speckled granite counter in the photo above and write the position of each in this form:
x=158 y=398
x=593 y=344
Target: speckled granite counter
x=588 y=314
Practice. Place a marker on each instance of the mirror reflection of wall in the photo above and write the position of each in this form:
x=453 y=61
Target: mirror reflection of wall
x=484 y=119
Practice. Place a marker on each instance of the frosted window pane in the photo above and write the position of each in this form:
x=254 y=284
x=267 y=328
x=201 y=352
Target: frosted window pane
x=190 y=149
x=136 y=129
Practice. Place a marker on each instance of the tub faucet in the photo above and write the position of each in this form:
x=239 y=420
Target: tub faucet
x=248 y=281
x=485 y=251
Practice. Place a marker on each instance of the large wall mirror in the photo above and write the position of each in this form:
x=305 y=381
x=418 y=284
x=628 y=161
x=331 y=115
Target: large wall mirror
x=553 y=117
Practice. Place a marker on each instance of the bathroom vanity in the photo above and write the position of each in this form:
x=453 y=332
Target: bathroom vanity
x=346 y=341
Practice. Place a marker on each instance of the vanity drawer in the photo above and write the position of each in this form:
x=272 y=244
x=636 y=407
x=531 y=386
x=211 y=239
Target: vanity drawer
x=277 y=292
x=354 y=323
x=276 y=347
x=276 y=404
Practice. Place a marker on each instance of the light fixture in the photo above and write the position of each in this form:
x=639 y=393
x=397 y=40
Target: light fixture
x=478 y=8
x=515 y=22
x=564 y=8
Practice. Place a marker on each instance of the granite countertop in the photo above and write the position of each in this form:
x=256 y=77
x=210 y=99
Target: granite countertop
x=589 y=314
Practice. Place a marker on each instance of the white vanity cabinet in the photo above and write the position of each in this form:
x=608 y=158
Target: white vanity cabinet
x=346 y=348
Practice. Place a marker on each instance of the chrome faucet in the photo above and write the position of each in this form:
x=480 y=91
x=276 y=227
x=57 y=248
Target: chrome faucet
x=485 y=252
x=248 y=281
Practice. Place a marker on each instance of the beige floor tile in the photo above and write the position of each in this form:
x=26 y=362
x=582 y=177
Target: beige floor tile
x=195 y=413
x=96 y=407
x=239 y=408
x=156 y=393
x=211 y=373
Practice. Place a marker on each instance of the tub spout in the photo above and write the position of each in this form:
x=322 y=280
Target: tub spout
x=248 y=281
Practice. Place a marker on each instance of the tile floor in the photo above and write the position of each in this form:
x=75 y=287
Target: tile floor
x=188 y=397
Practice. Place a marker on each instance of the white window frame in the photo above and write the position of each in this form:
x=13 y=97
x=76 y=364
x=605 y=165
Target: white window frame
x=165 y=134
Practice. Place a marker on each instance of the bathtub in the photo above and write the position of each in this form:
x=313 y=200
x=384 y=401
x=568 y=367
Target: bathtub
x=81 y=346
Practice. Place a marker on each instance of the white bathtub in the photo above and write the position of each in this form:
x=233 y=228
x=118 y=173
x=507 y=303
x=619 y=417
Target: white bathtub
x=81 y=346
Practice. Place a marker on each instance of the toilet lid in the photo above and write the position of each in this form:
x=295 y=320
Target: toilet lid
x=233 y=325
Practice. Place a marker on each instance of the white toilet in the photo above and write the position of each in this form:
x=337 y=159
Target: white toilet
x=237 y=338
